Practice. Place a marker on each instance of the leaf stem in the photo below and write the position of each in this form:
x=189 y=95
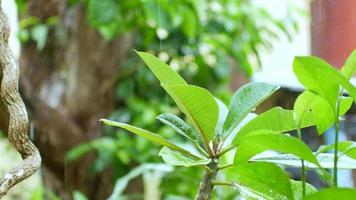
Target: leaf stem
x=337 y=128
x=303 y=172
x=225 y=166
x=222 y=152
x=224 y=183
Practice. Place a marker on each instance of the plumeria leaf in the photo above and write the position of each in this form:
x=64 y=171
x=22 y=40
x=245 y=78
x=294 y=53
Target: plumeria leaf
x=261 y=181
x=149 y=135
x=177 y=159
x=244 y=100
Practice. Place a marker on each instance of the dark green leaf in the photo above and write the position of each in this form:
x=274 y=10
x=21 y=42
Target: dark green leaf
x=178 y=125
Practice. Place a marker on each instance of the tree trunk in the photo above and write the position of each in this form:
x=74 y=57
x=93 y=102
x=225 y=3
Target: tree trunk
x=69 y=87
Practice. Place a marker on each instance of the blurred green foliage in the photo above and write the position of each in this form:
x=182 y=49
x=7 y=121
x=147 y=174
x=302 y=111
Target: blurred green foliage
x=202 y=39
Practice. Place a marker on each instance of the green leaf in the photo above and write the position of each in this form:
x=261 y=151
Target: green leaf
x=164 y=73
x=344 y=148
x=276 y=119
x=189 y=25
x=244 y=100
x=298 y=189
x=311 y=107
x=200 y=107
x=148 y=135
x=263 y=140
x=80 y=150
x=178 y=125
x=326 y=160
x=222 y=117
x=177 y=159
x=349 y=67
x=310 y=72
x=332 y=194
x=79 y=196
x=261 y=181
x=39 y=34
x=321 y=78
x=122 y=182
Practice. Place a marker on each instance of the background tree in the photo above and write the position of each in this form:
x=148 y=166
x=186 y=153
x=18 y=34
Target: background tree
x=78 y=67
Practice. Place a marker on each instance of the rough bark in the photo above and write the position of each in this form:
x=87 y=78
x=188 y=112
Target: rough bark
x=14 y=119
x=69 y=87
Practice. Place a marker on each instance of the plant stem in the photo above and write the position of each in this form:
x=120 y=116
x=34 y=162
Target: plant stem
x=226 y=150
x=303 y=172
x=224 y=183
x=337 y=127
x=206 y=184
x=225 y=166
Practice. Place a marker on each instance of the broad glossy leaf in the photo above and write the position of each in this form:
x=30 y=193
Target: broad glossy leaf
x=276 y=119
x=313 y=108
x=199 y=105
x=244 y=100
x=298 y=189
x=177 y=159
x=164 y=73
x=263 y=140
x=349 y=67
x=149 y=135
x=323 y=79
x=222 y=117
x=326 y=160
x=344 y=148
x=228 y=141
x=310 y=72
x=261 y=180
x=178 y=125
x=333 y=194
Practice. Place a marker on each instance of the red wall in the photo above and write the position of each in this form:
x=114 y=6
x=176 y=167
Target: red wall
x=333 y=29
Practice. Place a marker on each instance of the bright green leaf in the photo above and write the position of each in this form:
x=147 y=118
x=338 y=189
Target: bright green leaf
x=298 y=189
x=311 y=107
x=244 y=100
x=177 y=159
x=349 y=67
x=164 y=73
x=199 y=105
x=323 y=79
x=344 y=148
x=149 y=135
x=261 y=180
x=276 y=119
x=263 y=140
x=333 y=194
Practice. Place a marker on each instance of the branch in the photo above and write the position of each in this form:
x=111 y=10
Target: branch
x=15 y=114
